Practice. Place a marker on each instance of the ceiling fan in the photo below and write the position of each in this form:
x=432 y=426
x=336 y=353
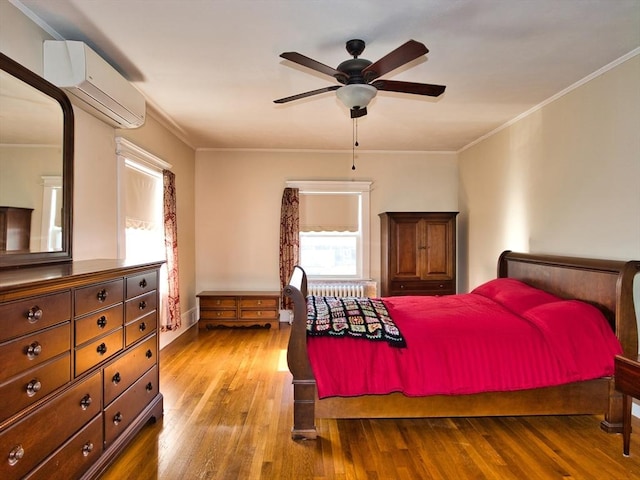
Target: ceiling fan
x=358 y=76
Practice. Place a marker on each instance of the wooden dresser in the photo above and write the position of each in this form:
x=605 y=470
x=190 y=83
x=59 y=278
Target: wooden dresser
x=79 y=355
x=239 y=309
x=418 y=253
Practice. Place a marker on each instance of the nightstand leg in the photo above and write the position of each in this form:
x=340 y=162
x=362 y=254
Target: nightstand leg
x=626 y=425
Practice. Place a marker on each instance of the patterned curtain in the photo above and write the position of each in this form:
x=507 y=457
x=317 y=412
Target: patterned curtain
x=171 y=321
x=289 y=238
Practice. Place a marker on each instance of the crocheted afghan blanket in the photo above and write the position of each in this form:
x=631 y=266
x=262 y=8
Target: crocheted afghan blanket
x=365 y=318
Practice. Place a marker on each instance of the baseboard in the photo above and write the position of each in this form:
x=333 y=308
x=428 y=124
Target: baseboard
x=189 y=319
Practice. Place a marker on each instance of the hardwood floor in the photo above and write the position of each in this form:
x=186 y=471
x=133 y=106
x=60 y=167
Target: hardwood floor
x=227 y=415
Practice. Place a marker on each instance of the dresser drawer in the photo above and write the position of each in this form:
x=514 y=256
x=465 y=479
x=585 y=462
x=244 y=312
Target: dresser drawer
x=259 y=314
x=98 y=296
x=97 y=324
x=218 y=314
x=98 y=351
x=74 y=457
x=119 y=415
x=140 y=306
x=30 y=351
x=140 y=328
x=28 y=442
x=124 y=371
x=139 y=284
x=27 y=388
x=27 y=316
x=420 y=287
x=260 y=303
x=218 y=302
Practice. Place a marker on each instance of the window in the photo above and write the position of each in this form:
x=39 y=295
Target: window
x=141 y=203
x=334 y=228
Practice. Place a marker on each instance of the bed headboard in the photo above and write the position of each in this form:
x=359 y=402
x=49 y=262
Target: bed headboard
x=607 y=284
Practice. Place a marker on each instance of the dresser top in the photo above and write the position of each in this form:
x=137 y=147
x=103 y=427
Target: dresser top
x=239 y=293
x=70 y=274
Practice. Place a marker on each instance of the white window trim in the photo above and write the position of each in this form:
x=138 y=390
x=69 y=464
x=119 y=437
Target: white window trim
x=336 y=186
x=126 y=150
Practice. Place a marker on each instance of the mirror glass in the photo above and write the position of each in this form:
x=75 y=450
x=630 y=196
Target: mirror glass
x=36 y=161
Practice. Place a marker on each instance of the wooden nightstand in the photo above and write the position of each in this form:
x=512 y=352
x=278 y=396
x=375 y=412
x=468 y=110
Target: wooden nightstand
x=627 y=375
x=239 y=309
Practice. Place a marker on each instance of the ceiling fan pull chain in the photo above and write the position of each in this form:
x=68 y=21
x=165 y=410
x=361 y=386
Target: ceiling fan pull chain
x=354 y=140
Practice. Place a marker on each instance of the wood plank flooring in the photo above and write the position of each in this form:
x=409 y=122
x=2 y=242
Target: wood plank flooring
x=227 y=415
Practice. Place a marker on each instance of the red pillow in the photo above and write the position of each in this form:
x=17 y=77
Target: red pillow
x=515 y=295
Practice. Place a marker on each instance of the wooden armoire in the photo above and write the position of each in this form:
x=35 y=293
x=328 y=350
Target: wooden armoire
x=418 y=253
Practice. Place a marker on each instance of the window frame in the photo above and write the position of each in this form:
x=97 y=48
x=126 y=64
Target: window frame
x=360 y=188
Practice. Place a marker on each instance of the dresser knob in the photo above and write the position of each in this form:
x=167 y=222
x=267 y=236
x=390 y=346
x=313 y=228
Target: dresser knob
x=85 y=402
x=143 y=283
x=142 y=305
x=117 y=418
x=102 y=322
x=87 y=448
x=259 y=302
x=149 y=387
x=34 y=350
x=116 y=378
x=16 y=454
x=101 y=349
x=34 y=314
x=142 y=327
x=149 y=354
x=102 y=295
x=259 y=313
x=33 y=387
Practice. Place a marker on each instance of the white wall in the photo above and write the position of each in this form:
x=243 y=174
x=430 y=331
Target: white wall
x=563 y=180
x=238 y=196
x=95 y=220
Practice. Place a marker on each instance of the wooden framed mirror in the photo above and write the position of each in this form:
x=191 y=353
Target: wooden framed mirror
x=36 y=169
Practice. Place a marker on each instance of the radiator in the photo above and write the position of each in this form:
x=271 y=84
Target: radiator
x=337 y=290
x=342 y=289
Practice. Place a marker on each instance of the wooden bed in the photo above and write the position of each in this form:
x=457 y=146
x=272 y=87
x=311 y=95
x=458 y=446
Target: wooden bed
x=606 y=284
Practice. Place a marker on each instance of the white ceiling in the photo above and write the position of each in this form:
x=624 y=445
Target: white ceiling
x=212 y=67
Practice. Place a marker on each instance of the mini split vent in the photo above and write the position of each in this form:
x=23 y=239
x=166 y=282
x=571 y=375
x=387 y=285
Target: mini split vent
x=94 y=84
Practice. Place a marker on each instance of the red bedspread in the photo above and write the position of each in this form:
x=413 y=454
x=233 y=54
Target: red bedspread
x=502 y=336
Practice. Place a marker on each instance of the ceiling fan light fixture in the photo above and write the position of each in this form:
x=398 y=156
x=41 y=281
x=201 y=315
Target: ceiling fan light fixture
x=356 y=95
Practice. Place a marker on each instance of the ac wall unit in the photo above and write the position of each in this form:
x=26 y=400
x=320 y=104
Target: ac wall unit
x=102 y=91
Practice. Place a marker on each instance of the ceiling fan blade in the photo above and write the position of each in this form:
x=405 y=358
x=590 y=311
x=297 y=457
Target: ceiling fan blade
x=300 y=59
x=401 y=55
x=409 y=87
x=307 y=94
x=358 y=112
